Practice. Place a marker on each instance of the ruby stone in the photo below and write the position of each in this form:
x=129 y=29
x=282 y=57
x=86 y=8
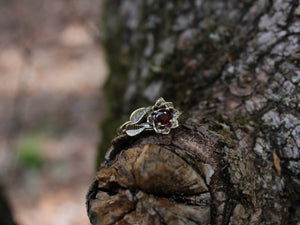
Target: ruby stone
x=163 y=116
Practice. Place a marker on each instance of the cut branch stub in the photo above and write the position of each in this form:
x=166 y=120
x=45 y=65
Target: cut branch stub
x=154 y=180
x=152 y=169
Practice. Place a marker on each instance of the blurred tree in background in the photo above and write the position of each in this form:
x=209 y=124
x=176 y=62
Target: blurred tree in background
x=51 y=75
x=232 y=67
x=5 y=211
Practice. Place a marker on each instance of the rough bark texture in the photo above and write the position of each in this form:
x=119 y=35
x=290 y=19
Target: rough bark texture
x=232 y=67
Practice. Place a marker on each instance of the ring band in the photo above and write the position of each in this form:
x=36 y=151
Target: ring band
x=161 y=117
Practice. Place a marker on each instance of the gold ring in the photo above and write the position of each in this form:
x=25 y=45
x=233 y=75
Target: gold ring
x=161 y=117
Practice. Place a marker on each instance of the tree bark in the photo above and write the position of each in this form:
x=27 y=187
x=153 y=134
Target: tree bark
x=232 y=67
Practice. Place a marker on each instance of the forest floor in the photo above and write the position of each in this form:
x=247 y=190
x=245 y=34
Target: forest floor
x=51 y=73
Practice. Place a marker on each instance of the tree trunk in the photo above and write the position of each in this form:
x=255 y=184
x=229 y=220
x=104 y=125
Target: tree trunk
x=232 y=67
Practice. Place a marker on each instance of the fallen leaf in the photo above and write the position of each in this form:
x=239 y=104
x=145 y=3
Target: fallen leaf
x=277 y=163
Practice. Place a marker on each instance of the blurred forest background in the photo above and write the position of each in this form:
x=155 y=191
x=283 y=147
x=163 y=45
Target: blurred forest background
x=51 y=72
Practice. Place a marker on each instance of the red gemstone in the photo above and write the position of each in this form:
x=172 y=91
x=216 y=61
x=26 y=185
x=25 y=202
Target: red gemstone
x=163 y=116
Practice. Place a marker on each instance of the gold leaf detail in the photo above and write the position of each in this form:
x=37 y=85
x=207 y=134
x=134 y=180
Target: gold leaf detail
x=134 y=129
x=138 y=114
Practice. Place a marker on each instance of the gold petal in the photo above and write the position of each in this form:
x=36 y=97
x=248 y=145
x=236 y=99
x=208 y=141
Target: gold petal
x=159 y=102
x=166 y=130
x=168 y=105
x=162 y=103
x=176 y=113
x=162 y=129
x=150 y=119
x=174 y=123
x=154 y=127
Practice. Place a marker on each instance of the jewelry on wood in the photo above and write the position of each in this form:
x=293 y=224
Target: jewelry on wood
x=161 y=117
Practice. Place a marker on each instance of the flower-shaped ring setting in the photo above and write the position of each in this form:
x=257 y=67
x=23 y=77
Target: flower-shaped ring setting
x=161 y=117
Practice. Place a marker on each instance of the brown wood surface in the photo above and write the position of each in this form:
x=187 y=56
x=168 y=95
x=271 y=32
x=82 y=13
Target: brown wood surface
x=161 y=179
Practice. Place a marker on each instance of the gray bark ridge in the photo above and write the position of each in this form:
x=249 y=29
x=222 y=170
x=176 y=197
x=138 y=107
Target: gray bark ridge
x=233 y=68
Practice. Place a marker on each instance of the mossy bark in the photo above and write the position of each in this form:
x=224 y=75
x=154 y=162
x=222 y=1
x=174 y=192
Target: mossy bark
x=232 y=67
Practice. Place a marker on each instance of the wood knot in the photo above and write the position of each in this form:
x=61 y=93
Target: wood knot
x=156 y=179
